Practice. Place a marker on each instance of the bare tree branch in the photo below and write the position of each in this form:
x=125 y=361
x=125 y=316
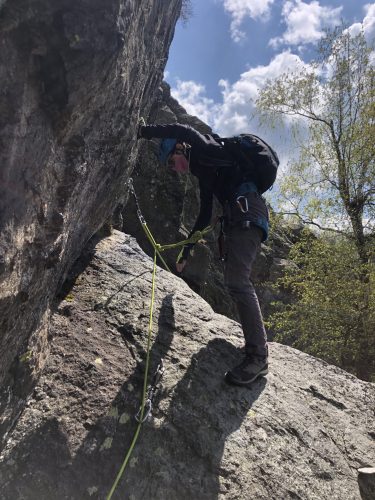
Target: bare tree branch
x=313 y=223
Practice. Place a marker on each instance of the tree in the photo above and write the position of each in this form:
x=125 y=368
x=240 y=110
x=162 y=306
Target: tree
x=332 y=186
x=325 y=316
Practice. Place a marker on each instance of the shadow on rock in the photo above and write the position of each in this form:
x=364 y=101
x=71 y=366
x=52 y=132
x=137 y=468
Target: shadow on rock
x=179 y=453
x=181 y=450
x=31 y=471
x=79 y=266
x=99 y=458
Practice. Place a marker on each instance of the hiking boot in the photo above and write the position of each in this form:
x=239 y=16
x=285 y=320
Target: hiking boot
x=248 y=370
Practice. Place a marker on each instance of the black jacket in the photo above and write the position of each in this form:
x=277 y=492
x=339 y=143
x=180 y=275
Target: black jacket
x=215 y=168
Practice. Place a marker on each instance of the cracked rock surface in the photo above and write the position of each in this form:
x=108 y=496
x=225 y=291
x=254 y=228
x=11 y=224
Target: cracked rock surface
x=300 y=433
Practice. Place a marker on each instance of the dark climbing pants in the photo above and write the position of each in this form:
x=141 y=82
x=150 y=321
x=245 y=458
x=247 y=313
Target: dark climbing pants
x=242 y=246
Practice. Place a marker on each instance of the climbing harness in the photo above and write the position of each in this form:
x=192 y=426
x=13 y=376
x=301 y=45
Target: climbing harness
x=149 y=394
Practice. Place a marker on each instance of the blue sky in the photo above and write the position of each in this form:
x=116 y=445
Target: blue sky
x=227 y=50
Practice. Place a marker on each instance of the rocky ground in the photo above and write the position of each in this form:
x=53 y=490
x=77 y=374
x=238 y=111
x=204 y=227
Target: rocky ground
x=300 y=433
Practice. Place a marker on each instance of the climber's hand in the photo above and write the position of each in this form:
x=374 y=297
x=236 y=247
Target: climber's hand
x=141 y=123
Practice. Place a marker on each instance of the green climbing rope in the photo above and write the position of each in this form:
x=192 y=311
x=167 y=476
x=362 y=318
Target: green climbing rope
x=126 y=459
x=198 y=235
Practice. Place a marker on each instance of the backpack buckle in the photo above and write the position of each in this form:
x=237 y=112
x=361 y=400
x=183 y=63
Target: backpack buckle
x=242 y=204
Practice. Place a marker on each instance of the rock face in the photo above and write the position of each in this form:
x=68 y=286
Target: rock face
x=170 y=204
x=300 y=433
x=75 y=76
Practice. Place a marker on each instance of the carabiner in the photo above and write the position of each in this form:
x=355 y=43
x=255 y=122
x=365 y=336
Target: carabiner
x=147 y=412
x=242 y=204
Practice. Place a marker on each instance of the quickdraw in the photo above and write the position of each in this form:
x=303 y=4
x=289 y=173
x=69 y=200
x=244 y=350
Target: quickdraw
x=151 y=393
x=221 y=241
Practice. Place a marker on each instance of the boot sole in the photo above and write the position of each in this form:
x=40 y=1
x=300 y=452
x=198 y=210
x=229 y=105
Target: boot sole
x=234 y=381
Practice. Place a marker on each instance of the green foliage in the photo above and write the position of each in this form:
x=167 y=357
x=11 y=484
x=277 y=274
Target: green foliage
x=331 y=106
x=26 y=356
x=333 y=312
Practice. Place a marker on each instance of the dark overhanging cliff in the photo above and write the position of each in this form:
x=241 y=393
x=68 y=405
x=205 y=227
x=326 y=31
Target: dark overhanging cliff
x=75 y=77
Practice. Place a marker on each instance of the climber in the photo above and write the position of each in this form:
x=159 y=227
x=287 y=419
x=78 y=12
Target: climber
x=216 y=165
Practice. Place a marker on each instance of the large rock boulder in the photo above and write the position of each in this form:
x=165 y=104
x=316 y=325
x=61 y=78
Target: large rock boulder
x=300 y=433
x=75 y=76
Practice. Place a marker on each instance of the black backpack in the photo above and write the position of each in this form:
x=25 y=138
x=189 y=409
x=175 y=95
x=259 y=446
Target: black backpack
x=256 y=160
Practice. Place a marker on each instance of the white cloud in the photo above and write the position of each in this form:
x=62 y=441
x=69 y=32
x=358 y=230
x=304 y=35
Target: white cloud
x=368 y=24
x=369 y=20
x=234 y=114
x=238 y=98
x=191 y=96
x=241 y=9
x=305 y=21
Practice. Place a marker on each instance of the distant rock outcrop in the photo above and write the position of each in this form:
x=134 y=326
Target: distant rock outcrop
x=300 y=433
x=75 y=76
